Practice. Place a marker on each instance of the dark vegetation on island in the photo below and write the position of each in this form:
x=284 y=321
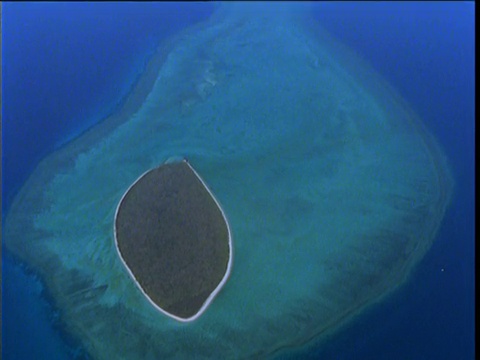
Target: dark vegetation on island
x=174 y=238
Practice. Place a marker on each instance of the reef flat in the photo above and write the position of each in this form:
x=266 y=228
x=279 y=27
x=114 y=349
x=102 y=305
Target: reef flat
x=333 y=187
x=174 y=240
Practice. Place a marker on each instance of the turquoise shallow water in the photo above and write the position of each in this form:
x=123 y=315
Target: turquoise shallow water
x=323 y=183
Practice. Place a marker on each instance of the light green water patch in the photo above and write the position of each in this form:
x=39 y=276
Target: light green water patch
x=332 y=196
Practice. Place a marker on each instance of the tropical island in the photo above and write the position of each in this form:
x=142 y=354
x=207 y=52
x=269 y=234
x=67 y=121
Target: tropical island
x=174 y=239
x=334 y=188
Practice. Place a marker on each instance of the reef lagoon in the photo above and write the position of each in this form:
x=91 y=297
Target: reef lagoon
x=333 y=187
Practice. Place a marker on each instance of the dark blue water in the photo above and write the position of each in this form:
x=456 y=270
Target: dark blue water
x=67 y=66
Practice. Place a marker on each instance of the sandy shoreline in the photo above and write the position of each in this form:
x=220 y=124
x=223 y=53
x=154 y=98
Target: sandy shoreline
x=230 y=258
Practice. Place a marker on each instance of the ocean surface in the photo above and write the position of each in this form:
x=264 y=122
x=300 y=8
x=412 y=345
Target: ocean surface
x=66 y=67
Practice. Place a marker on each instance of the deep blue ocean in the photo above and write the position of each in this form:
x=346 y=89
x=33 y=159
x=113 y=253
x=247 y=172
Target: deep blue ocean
x=66 y=66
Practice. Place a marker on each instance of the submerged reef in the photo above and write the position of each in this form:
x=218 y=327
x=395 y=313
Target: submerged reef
x=333 y=187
